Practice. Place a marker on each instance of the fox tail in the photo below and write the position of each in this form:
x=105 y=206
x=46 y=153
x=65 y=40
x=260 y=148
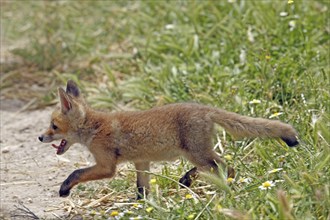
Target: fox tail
x=242 y=126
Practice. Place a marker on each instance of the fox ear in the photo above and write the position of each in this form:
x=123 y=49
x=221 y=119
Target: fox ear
x=65 y=101
x=72 y=89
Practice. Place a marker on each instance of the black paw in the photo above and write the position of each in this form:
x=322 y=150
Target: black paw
x=189 y=177
x=186 y=180
x=290 y=141
x=64 y=192
x=140 y=194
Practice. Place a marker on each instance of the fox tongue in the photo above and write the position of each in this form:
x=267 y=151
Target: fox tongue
x=61 y=146
x=55 y=146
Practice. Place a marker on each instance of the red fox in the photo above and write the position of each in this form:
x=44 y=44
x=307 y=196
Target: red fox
x=161 y=133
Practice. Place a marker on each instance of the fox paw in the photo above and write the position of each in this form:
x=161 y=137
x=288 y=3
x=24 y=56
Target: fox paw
x=186 y=180
x=64 y=192
x=189 y=177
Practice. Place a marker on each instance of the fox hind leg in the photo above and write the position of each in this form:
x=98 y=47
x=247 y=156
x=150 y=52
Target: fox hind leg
x=196 y=143
x=205 y=164
x=189 y=177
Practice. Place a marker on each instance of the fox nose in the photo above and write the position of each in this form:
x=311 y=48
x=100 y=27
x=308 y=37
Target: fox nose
x=41 y=138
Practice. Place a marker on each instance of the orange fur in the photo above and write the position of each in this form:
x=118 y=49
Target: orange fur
x=161 y=133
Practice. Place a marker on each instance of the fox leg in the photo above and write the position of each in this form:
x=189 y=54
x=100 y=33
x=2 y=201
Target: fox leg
x=82 y=175
x=189 y=177
x=208 y=163
x=142 y=178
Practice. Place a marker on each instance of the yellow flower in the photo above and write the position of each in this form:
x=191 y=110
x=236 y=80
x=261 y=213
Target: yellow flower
x=275 y=170
x=255 y=101
x=267 y=57
x=281 y=159
x=244 y=180
x=290 y=2
x=114 y=213
x=188 y=196
x=267 y=185
x=218 y=207
x=128 y=212
x=230 y=180
x=149 y=209
x=276 y=114
x=228 y=157
x=153 y=181
x=137 y=206
x=191 y=216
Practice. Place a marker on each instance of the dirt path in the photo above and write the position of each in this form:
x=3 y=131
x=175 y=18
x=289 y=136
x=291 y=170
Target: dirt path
x=31 y=173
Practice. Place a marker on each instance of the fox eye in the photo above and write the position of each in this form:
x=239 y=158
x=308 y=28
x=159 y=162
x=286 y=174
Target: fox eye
x=54 y=126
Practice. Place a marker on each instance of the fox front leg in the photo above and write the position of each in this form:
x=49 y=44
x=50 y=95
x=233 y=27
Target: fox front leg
x=82 y=175
x=142 y=181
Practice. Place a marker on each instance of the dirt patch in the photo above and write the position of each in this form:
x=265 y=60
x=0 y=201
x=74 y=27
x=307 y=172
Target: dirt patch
x=31 y=172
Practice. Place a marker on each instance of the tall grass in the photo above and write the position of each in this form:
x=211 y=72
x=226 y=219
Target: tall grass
x=259 y=58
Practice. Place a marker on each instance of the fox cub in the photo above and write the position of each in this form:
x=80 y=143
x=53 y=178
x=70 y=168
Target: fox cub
x=161 y=133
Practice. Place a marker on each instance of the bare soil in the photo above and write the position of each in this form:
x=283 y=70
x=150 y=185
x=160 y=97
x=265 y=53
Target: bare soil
x=31 y=172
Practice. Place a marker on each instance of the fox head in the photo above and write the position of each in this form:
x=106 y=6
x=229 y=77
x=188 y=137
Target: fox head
x=67 y=119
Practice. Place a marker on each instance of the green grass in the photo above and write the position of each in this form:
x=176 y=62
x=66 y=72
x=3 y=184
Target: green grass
x=138 y=54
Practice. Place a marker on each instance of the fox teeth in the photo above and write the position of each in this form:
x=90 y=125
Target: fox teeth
x=63 y=143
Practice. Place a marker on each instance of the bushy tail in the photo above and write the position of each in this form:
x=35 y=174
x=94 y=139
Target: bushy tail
x=242 y=126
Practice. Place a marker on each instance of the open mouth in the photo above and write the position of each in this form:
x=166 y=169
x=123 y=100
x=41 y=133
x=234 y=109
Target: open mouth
x=60 y=148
